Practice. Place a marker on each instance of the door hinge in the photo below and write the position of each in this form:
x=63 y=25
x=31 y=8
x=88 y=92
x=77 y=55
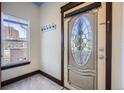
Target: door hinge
x=108 y=25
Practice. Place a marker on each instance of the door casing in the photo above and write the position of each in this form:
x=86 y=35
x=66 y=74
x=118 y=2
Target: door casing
x=108 y=38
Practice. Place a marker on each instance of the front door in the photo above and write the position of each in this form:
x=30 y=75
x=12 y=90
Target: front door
x=84 y=55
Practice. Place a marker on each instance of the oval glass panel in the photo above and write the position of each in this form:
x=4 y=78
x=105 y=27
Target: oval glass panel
x=81 y=40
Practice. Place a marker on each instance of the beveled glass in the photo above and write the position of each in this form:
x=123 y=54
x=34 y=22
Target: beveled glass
x=81 y=40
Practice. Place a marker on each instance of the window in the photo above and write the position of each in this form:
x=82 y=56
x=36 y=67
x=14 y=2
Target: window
x=15 y=41
x=81 y=40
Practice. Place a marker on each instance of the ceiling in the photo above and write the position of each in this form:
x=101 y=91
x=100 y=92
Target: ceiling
x=37 y=3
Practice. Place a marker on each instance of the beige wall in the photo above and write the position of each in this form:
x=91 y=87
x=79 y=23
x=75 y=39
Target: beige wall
x=29 y=12
x=51 y=41
x=116 y=45
x=122 y=51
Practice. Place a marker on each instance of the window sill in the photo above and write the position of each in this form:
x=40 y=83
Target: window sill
x=14 y=65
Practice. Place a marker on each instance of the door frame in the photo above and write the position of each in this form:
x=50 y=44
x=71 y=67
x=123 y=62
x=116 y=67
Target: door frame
x=71 y=5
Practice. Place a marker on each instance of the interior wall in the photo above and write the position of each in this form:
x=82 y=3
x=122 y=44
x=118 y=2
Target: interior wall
x=30 y=12
x=122 y=52
x=116 y=45
x=51 y=41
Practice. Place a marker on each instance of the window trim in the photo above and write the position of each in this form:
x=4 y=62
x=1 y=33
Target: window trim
x=15 y=22
x=15 y=65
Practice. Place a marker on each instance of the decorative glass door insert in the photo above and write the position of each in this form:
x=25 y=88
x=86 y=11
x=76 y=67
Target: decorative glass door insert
x=81 y=40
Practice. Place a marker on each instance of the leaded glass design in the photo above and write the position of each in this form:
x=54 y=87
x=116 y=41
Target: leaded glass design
x=81 y=40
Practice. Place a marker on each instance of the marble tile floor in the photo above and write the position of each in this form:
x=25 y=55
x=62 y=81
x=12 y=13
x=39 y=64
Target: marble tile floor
x=35 y=82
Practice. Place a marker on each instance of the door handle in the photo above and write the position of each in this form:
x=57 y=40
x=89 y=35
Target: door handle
x=108 y=25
